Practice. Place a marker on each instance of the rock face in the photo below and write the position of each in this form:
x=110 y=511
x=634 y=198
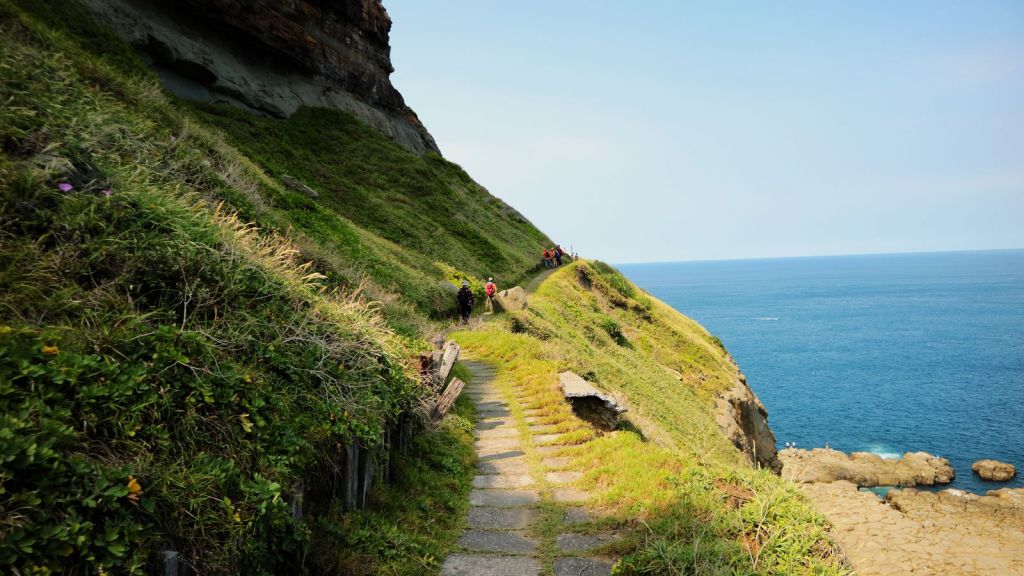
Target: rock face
x=743 y=419
x=994 y=470
x=822 y=465
x=511 y=300
x=273 y=57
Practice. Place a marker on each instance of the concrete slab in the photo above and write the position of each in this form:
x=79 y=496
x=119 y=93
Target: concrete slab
x=501 y=432
x=562 y=477
x=569 y=495
x=575 y=516
x=546 y=438
x=555 y=462
x=570 y=542
x=491 y=518
x=582 y=567
x=502 y=481
x=476 y=565
x=503 y=498
x=517 y=465
x=495 y=445
x=504 y=542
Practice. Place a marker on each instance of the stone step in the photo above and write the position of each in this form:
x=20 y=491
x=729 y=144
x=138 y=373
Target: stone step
x=491 y=518
x=502 y=481
x=517 y=465
x=569 y=495
x=502 y=432
x=503 y=498
x=546 y=438
x=563 y=477
x=574 y=516
x=496 y=445
x=478 y=565
x=571 y=542
x=582 y=567
x=555 y=462
x=499 y=541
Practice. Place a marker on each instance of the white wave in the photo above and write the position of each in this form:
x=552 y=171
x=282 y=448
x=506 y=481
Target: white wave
x=766 y=319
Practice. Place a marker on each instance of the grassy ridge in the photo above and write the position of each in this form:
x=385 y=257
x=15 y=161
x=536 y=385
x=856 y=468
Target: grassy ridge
x=685 y=498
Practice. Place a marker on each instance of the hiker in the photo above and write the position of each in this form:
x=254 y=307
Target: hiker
x=557 y=251
x=465 y=298
x=547 y=258
x=490 y=289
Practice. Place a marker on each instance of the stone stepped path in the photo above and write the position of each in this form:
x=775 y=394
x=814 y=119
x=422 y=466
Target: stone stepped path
x=518 y=488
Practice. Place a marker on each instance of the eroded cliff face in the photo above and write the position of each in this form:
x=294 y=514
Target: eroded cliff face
x=744 y=420
x=273 y=56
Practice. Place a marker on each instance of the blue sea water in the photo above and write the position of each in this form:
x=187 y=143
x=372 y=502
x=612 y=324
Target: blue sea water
x=877 y=353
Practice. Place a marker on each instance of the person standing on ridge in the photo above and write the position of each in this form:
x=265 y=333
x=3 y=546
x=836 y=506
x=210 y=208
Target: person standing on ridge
x=557 y=251
x=465 y=299
x=490 y=289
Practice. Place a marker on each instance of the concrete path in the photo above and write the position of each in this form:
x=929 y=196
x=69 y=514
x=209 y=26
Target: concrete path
x=517 y=490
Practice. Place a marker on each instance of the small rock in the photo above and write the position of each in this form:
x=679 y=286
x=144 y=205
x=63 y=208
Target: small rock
x=994 y=470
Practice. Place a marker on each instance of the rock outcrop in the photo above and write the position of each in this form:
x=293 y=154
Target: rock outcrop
x=994 y=470
x=589 y=403
x=822 y=465
x=511 y=300
x=744 y=420
x=273 y=57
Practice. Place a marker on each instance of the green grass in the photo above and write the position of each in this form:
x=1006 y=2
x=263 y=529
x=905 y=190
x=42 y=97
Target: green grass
x=667 y=480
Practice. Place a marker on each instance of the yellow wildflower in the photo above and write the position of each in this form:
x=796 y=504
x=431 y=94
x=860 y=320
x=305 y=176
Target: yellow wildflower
x=50 y=350
x=134 y=490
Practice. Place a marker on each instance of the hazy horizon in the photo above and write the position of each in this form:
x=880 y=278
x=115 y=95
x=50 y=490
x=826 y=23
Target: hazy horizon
x=665 y=131
x=797 y=256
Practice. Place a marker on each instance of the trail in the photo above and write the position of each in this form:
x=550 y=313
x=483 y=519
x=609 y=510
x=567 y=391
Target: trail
x=520 y=492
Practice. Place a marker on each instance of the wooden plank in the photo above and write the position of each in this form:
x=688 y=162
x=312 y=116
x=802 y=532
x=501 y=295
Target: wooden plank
x=451 y=354
x=447 y=399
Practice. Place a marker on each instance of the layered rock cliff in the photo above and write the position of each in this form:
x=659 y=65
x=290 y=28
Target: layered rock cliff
x=273 y=57
x=743 y=419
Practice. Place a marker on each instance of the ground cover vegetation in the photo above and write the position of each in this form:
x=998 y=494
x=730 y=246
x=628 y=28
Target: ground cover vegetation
x=685 y=499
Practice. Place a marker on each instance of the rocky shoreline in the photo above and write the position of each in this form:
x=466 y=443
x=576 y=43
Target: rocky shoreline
x=910 y=531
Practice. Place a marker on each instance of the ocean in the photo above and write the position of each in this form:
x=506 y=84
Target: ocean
x=877 y=353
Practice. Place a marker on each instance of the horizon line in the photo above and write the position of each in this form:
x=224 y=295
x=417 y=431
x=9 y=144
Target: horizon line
x=841 y=255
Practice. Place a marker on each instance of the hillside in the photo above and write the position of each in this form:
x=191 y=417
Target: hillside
x=201 y=308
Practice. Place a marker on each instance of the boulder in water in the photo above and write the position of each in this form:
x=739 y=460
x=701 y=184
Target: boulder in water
x=994 y=470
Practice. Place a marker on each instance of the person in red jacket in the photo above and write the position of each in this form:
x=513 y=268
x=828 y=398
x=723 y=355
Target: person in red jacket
x=490 y=289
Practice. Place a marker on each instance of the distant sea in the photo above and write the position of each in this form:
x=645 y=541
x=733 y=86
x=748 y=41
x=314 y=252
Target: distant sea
x=879 y=353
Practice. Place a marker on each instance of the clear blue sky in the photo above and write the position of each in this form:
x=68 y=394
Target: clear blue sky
x=670 y=130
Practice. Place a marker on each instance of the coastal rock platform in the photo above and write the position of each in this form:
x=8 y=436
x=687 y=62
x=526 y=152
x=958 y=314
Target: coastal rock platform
x=864 y=469
x=923 y=533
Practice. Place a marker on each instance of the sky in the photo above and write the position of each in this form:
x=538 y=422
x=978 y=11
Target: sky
x=673 y=130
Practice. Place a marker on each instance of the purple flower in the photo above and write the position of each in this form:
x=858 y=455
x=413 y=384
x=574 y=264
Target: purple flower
x=65 y=187
x=106 y=192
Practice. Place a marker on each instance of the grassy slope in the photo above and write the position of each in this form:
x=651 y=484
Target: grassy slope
x=168 y=370
x=668 y=487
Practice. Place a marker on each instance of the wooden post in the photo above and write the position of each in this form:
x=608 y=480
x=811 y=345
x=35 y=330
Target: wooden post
x=447 y=399
x=448 y=358
x=350 y=483
x=298 y=495
x=367 y=463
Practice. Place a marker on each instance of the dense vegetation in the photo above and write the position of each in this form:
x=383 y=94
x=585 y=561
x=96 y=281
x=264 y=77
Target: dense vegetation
x=686 y=499
x=185 y=334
